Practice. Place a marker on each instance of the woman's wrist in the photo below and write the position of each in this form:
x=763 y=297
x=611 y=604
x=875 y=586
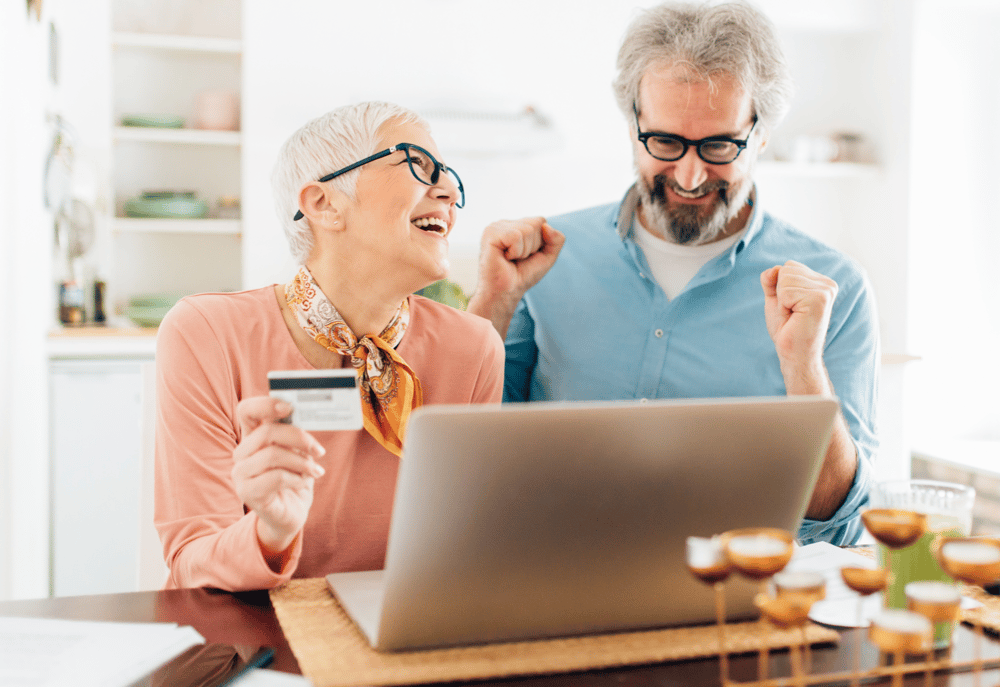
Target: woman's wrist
x=275 y=547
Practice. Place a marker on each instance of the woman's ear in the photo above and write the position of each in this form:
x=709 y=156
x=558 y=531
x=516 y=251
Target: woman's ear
x=320 y=205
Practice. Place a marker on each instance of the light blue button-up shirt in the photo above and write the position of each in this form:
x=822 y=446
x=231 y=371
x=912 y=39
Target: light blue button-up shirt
x=599 y=327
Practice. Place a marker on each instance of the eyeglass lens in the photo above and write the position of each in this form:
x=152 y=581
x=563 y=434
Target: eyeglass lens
x=428 y=170
x=422 y=166
x=669 y=149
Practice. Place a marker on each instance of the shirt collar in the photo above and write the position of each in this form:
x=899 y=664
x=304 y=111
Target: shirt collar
x=626 y=211
x=629 y=204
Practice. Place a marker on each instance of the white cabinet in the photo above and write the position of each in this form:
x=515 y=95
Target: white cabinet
x=99 y=504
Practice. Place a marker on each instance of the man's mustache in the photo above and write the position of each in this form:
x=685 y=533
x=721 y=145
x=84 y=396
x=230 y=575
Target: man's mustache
x=661 y=182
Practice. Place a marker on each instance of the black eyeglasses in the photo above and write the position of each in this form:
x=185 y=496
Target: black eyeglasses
x=715 y=150
x=424 y=167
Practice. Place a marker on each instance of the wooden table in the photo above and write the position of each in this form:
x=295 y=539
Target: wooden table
x=248 y=618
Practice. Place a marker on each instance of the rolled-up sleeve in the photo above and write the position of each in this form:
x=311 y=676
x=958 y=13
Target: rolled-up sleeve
x=845 y=527
x=521 y=353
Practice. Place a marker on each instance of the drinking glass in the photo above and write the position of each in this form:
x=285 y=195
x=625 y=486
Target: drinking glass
x=948 y=508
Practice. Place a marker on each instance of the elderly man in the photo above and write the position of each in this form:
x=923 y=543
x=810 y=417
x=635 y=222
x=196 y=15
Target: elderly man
x=688 y=288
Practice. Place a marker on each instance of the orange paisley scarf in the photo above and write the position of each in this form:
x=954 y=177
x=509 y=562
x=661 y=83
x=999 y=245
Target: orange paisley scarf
x=390 y=390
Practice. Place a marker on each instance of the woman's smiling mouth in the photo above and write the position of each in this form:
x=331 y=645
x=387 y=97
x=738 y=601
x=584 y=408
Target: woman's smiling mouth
x=432 y=224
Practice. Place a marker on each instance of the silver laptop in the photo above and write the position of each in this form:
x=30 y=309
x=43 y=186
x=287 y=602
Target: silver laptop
x=549 y=519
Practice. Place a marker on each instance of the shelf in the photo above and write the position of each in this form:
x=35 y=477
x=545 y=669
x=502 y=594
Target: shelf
x=105 y=331
x=179 y=136
x=221 y=46
x=87 y=342
x=820 y=170
x=178 y=226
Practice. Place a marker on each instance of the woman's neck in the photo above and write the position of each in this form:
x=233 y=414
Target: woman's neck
x=316 y=355
x=365 y=303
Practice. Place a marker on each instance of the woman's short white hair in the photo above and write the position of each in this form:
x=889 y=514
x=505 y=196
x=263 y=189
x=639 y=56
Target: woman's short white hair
x=324 y=145
x=732 y=38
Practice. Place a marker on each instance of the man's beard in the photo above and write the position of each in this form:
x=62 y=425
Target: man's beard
x=689 y=223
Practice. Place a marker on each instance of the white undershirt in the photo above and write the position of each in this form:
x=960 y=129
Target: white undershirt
x=672 y=264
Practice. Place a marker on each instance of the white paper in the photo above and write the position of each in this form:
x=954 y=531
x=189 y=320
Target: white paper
x=840 y=608
x=42 y=652
x=262 y=677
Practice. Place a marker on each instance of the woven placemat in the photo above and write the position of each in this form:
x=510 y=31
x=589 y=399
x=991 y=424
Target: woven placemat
x=332 y=652
x=987 y=615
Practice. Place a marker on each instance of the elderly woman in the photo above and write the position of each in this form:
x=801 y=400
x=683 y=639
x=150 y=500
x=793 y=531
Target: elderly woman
x=244 y=501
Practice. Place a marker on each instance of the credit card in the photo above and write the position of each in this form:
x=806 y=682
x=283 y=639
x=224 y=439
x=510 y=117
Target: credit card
x=323 y=400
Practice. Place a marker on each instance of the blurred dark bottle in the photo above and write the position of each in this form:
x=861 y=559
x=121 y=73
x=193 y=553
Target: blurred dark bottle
x=100 y=293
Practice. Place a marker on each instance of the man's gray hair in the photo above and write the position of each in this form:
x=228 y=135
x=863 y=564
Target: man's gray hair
x=708 y=40
x=324 y=145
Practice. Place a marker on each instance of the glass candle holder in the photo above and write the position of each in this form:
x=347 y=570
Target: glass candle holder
x=759 y=552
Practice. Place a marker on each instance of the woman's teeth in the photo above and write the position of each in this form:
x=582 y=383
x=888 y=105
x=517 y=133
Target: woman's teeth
x=432 y=224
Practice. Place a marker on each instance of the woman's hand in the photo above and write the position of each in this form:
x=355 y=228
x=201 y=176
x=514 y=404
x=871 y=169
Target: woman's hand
x=274 y=472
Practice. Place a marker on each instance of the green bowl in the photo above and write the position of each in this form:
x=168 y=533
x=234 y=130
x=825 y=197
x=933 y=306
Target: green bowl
x=166 y=205
x=150 y=309
x=161 y=121
x=146 y=317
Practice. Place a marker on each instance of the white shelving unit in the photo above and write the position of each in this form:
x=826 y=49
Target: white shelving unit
x=97 y=395
x=163 y=73
x=177 y=226
x=178 y=136
x=190 y=44
x=819 y=170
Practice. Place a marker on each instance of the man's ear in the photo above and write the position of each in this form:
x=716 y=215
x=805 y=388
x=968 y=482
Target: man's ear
x=319 y=203
x=764 y=139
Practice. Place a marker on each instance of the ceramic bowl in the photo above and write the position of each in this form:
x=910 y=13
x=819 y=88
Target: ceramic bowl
x=149 y=310
x=162 y=121
x=166 y=205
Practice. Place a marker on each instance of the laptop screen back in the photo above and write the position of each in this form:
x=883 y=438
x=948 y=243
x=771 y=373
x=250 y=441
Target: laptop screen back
x=553 y=519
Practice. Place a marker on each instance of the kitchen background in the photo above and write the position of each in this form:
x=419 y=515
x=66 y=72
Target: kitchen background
x=887 y=153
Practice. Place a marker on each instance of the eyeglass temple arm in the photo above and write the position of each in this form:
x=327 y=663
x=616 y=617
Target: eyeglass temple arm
x=348 y=168
x=357 y=164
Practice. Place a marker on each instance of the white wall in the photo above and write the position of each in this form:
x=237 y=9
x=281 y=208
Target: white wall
x=956 y=230
x=10 y=17
x=432 y=55
x=25 y=228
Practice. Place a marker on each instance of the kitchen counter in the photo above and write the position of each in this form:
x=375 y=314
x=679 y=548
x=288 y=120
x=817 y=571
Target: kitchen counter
x=101 y=342
x=965 y=461
x=113 y=342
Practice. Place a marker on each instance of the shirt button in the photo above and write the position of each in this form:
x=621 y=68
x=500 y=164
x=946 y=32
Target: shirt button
x=659 y=333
